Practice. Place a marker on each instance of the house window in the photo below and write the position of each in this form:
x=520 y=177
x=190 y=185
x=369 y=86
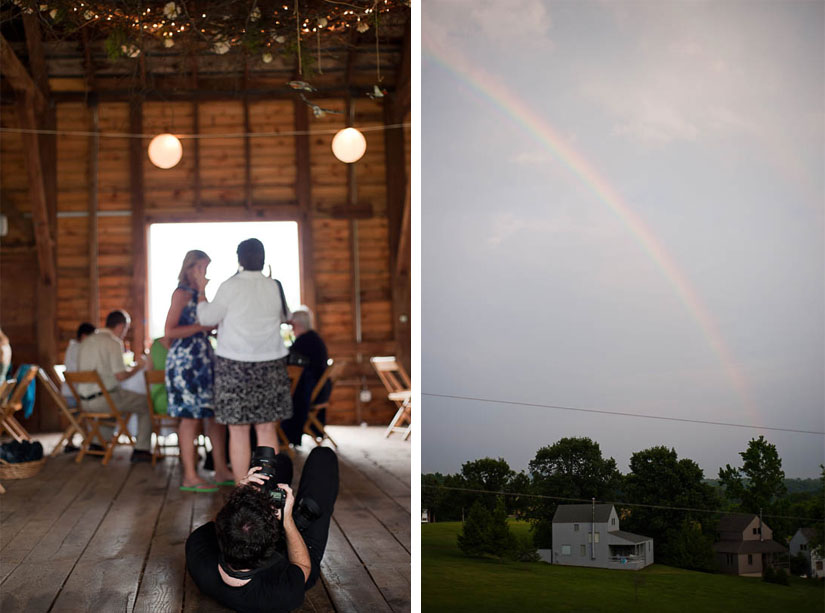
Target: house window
x=582 y=550
x=729 y=559
x=575 y=527
x=803 y=547
x=597 y=537
x=565 y=550
x=819 y=564
x=589 y=537
x=612 y=521
x=750 y=559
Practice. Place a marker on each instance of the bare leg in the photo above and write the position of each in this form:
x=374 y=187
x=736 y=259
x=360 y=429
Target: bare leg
x=217 y=434
x=239 y=452
x=187 y=431
x=267 y=435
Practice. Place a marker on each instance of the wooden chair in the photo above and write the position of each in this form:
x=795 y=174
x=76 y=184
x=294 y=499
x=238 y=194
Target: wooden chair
x=397 y=383
x=12 y=401
x=294 y=372
x=95 y=419
x=159 y=420
x=331 y=373
x=72 y=414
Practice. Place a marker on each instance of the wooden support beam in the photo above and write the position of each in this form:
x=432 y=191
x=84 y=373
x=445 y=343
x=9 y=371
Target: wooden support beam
x=137 y=152
x=34 y=169
x=303 y=194
x=401 y=96
x=19 y=77
x=37 y=55
x=94 y=147
x=247 y=145
x=395 y=171
x=196 y=155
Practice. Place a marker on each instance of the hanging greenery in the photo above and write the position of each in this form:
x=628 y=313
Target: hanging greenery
x=264 y=27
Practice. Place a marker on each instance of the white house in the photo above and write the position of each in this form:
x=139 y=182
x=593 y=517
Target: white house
x=801 y=543
x=589 y=535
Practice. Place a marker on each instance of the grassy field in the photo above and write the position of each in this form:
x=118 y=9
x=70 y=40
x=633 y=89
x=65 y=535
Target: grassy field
x=452 y=582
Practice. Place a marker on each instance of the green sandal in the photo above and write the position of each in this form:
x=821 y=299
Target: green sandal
x=204 y=488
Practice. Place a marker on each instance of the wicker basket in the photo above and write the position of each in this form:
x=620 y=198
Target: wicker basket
x=20 y=470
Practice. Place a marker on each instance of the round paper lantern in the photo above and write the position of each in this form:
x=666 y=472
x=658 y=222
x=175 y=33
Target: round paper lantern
x=165 y=151
x=349 y=145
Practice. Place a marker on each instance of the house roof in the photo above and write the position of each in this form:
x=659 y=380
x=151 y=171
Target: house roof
x=629 y=536
x=754 y=546
x=808 y=533
x=735 y=522
x=581 y=513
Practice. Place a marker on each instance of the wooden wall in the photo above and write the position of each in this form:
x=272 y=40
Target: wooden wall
x=212 y=184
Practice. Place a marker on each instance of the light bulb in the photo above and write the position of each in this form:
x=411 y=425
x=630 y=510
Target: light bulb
x=349 y=145
x=165 y=151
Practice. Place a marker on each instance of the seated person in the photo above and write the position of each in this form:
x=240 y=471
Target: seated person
x=103 y=352
x=5 y=356
x=70 y=359
x=308 y=349
x=250 y=558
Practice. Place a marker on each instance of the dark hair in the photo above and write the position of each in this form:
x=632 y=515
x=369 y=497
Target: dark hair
x=248 y=529
x=85 y=329
x=251 y=254
x=115 y=318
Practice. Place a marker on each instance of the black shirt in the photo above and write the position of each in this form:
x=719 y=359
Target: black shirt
x=278 y=588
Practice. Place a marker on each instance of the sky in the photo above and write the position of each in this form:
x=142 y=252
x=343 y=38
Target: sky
x=169 y=242
x=623 y=209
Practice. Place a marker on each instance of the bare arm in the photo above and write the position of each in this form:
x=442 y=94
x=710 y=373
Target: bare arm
x=296 y=549
x=172 y=330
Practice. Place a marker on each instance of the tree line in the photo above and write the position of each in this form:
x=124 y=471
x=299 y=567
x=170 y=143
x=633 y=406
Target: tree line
x=574 y=470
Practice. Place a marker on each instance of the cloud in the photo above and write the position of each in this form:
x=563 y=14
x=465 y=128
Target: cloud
x=532 y=158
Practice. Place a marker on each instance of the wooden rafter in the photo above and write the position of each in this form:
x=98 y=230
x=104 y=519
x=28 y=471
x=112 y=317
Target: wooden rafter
x=18 y=77
x=401 y=97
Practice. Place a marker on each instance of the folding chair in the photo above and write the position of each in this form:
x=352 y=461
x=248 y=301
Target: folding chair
x=95 y=419
x=294 y=371
x=159 y=420
x=397 y=383
x=13 y=402
x=72 y=414
x=331 y=373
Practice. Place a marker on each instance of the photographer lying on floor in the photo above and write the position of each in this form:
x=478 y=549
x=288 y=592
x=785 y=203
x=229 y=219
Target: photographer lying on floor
x=264 y=551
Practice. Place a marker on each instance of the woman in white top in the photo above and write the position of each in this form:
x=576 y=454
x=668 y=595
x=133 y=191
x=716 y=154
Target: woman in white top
x=251 y=380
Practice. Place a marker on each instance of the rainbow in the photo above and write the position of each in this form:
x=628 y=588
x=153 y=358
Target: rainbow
x=537 y=127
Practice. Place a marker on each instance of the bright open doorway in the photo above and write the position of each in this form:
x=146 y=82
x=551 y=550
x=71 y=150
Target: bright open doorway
x=169 y=242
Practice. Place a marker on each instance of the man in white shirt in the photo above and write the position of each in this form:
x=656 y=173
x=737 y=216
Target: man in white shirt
x=103 y=352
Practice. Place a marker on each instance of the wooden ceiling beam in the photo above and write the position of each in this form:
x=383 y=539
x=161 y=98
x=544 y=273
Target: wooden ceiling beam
x=37 y=54
x=402 y=95
x=18 y=77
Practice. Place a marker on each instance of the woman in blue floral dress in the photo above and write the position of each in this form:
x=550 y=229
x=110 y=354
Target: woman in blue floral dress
x=189 y=378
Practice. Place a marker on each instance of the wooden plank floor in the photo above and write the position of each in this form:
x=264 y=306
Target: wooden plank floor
x=86 y=537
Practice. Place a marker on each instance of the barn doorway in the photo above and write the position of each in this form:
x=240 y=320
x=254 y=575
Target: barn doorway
x=169 y=242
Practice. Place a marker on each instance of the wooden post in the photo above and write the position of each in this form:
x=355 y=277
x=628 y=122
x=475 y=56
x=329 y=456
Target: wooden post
x=94 y=146
x=303 y=193
x=396 y=176
x=136 y=154
x=196 y=153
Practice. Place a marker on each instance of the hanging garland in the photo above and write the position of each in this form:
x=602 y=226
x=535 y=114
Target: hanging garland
x=263 y=27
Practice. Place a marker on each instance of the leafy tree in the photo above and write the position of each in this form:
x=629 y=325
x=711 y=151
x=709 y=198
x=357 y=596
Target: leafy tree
x=571 y=468
x=487 y=474
x=690 y=548
x=760 y=483
x=519 y=505
x=474 y=538
x=658 y=477
x=500 y=539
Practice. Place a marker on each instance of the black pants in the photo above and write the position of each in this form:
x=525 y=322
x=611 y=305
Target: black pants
x=319 y=482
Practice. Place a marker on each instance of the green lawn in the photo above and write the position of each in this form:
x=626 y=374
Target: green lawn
x=452 y=582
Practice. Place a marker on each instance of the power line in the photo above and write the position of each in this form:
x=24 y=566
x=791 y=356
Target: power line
x=617 y=503
x=624 y=414
x=201 y=136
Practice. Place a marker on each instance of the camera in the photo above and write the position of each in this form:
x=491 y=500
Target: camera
x=266 y=459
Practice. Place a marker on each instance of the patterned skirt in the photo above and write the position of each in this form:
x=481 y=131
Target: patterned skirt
x=251 y=392
x=189 y=377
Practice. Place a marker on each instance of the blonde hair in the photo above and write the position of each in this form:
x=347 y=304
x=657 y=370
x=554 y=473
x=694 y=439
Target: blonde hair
x=189 y=260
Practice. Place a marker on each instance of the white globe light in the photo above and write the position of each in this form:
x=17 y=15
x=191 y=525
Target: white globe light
x=165 y=151
x=349 y=145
